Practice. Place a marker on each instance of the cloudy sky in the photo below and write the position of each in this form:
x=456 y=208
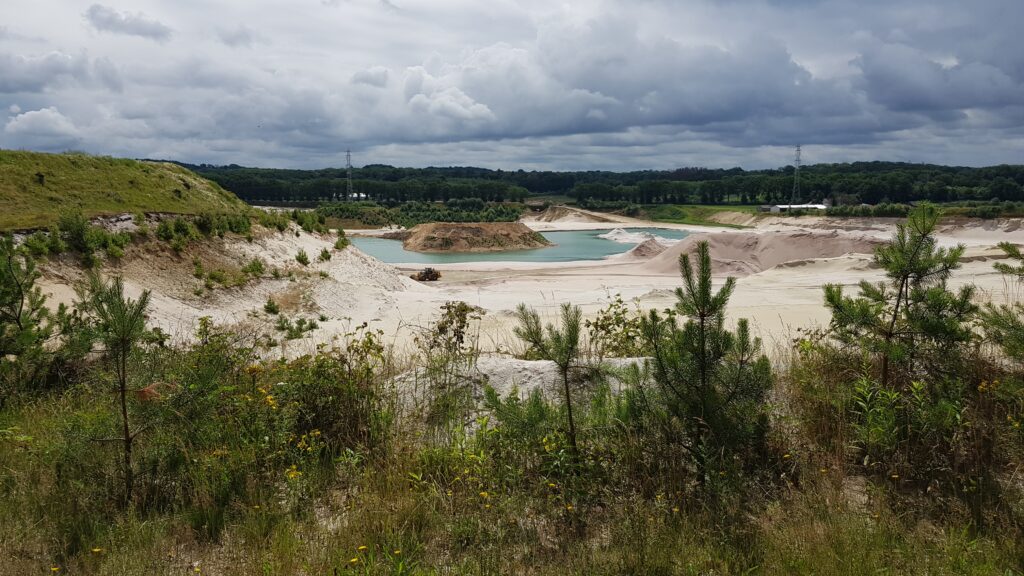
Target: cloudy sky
x=594 y=84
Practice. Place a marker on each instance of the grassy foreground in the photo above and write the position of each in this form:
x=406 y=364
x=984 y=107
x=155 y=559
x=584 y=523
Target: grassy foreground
x=35 y=188
x=891 y=443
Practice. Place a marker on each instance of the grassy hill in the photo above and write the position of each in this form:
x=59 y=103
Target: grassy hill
x=35 y=188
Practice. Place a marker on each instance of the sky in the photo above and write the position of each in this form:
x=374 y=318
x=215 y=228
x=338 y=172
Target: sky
x=532 y=84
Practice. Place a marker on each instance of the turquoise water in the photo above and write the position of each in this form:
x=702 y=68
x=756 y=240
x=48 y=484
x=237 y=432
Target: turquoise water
x=569 y=246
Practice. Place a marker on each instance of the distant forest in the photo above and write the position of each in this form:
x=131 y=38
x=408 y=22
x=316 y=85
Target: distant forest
x=845 y=184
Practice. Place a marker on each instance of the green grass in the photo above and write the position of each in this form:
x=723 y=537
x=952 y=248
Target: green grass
x=36 y=187
x=698 y=215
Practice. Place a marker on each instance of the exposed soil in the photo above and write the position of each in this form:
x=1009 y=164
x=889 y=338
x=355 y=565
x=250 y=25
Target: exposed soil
x=473 y=237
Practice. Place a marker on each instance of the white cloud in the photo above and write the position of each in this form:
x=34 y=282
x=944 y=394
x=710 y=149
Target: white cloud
x=46 y=129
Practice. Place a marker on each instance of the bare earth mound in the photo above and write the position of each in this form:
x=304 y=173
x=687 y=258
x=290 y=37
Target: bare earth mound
x=741 y=254
x=566 y=214
x=473 y=237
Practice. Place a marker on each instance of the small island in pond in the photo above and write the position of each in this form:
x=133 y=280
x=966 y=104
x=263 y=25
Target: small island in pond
x=470 y=237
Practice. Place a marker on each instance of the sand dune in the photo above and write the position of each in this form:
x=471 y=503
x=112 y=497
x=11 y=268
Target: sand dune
x=745 y=253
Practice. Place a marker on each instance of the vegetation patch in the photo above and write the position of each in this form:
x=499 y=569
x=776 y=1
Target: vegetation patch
x=36 y=188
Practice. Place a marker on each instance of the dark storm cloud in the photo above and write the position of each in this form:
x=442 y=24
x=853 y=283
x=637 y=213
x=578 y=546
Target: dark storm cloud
x=581 y=84
x=106 y=19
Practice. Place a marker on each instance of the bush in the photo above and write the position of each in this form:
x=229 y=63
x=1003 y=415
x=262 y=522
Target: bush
x=325 y=255
x=254 y=268
x=302 y=258
x=271 y=307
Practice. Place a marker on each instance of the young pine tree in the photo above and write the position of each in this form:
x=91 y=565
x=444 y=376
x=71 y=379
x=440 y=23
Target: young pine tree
x=121 y=324
x=712 y=381
x=560 y=345
x=1004 y=323
x=912 y=318
x=24 y=321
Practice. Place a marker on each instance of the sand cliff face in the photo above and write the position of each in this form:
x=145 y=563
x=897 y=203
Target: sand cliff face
x=472 y=237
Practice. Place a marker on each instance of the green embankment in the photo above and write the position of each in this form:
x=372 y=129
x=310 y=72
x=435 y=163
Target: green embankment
x=700 y=215
x=36 y=187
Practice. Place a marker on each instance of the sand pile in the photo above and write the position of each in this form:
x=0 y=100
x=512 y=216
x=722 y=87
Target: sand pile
x=473 y=237
x=647 y=249
x=566 y=214
x=742 y=254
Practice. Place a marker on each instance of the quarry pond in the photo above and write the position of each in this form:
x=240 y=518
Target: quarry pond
x=568 y=246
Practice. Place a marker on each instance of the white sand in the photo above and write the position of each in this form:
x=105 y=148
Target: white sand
x=781 y=264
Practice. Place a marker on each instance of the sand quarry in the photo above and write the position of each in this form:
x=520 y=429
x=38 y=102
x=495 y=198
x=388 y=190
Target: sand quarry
x=780 y=264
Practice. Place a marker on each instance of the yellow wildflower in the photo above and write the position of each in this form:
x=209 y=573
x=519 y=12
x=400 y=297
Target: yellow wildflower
x=485 y=495
x=362 y=548
x=97 y=550
x=397 y=552
x=353 y=561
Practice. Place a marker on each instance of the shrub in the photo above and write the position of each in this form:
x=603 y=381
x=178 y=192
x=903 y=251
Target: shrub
x=254 y=268
x=271 y=307
x=302 y=258
x=325 y=255
x=37 y=244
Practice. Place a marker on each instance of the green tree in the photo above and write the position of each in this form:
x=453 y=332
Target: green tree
x=24 y=320
x=712 y=381
x=559 y=345
x=912 y=313
x=121 y=325
x=1004 y=323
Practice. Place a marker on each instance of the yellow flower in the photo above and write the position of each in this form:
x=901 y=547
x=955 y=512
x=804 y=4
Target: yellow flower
x=823 y=470
x=353 y=561
x=362 y=548
x=569 y=507
x=786 y=456
x=97 y=550
x=487 y=506
x=895 y=476
x=485 y=495
x=552 y=485
x=397 y=552
x=293 y=472
x=54 y=568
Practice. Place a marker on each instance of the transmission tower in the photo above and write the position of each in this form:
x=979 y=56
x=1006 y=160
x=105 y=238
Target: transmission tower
x=796 y=178
x=348 y=167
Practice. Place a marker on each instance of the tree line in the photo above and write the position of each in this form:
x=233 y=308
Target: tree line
x=844 y=184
